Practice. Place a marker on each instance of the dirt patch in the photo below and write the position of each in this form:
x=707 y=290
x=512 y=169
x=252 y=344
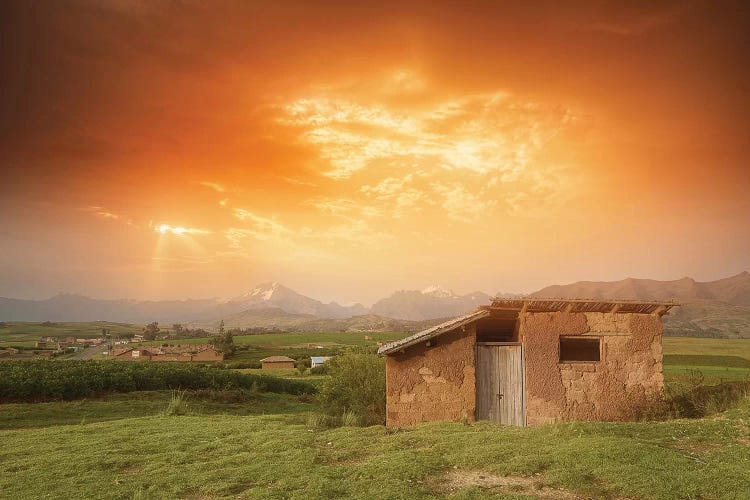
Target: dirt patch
x=457 y=480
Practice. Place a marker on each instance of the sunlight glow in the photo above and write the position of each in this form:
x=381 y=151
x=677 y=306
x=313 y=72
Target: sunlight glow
x=179 y=230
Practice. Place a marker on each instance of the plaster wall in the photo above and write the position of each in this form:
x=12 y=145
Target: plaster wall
x=432 y=383
x=617 y=387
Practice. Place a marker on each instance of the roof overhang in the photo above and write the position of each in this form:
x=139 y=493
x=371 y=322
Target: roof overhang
x=531 y=304
x=433 y=332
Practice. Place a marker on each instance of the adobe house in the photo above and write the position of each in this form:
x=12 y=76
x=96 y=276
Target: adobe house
x=529 y=362
x=276 y=362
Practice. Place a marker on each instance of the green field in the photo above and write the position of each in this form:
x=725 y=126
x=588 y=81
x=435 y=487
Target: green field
x=20 y=334
x=233 y=454
x=240 y=444
x=296 y=340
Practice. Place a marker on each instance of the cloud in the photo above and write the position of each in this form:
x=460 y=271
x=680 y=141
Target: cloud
x=480 y=133
x=213 y=185
x=398 y=195
x=462 y=205
x=299 y=182
x=263 y=228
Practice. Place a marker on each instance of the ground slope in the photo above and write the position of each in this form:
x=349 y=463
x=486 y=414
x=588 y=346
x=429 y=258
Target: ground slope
x=272 y=456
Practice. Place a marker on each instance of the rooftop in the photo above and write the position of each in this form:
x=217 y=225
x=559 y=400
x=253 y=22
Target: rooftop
x=533 y=305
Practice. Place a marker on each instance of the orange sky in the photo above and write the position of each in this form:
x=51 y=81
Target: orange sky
x=351 y=150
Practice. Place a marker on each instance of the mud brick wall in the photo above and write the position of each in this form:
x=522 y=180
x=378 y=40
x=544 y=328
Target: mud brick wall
x=618 y=387
x=432 y=383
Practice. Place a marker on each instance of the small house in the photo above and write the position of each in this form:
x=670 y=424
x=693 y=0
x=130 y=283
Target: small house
x=530 y=362
x=277 y=362
x=318 y=360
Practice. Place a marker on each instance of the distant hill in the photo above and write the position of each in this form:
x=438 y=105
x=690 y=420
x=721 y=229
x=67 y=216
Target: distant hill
x=276 y=295
x=432 y=302
x=718 y=308
x=71 y=307
x=734 y=290
x=279 y=319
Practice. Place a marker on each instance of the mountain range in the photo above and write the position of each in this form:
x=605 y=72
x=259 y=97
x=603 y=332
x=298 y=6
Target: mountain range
x=718 y=308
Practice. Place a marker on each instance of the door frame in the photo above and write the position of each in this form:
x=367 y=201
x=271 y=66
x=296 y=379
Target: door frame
x=523 y=371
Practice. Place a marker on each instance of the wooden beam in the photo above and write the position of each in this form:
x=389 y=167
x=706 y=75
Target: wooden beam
x=659 y=311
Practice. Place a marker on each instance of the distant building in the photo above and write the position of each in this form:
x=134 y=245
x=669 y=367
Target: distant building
x=187 y=352
x=318 y=360
x=277 y=362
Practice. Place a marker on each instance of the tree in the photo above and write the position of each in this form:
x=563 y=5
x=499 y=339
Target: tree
x=177 y=329
x=224 y=340
x=301 y=368
x=150 y=331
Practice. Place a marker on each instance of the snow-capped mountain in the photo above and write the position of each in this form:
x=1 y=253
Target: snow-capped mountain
x=432 y=302
x=274 y=294
x=438 y=291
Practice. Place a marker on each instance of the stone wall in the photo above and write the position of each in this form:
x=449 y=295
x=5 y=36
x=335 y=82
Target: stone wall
x=432 y=383
x=617 y=387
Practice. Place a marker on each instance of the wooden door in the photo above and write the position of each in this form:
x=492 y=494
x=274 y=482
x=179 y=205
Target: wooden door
x=499 y=383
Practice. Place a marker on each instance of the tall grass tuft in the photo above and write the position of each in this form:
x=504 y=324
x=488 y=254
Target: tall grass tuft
x=178 y=405
x=350 y=419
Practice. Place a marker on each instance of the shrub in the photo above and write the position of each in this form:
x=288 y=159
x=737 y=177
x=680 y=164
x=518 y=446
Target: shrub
x=71 y=379
x=301 y=368
x=319 y=370
x=356 y=386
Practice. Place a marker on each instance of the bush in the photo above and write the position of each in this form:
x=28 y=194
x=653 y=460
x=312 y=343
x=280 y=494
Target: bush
x=72 y=379
x=319 y=370
x=356 y=387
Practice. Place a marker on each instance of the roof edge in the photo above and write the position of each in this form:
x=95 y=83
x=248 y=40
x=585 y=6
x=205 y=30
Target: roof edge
x=432 y=332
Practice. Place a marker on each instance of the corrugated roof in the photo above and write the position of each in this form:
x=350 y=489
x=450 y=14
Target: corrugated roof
x=276 y=359
x=319 y=359
x=434 y=331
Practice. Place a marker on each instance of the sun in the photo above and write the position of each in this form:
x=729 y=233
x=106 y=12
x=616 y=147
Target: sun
x=179 y=230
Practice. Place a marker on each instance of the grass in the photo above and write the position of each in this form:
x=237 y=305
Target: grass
x=705 y=346
x=249 y=445
x=150 y=403
x=269 y=456
x=298 y=340
x=25 y=334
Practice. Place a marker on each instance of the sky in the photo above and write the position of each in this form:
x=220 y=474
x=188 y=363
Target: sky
x=175 y=149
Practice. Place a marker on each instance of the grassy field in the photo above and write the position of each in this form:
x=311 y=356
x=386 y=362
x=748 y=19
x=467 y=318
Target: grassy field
x=211 y=455
x=253 y=348
x=244 y=444
x=26 y=334
x=705 y=346
x=296 y=340
x=718 y=360
x=148 y=404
